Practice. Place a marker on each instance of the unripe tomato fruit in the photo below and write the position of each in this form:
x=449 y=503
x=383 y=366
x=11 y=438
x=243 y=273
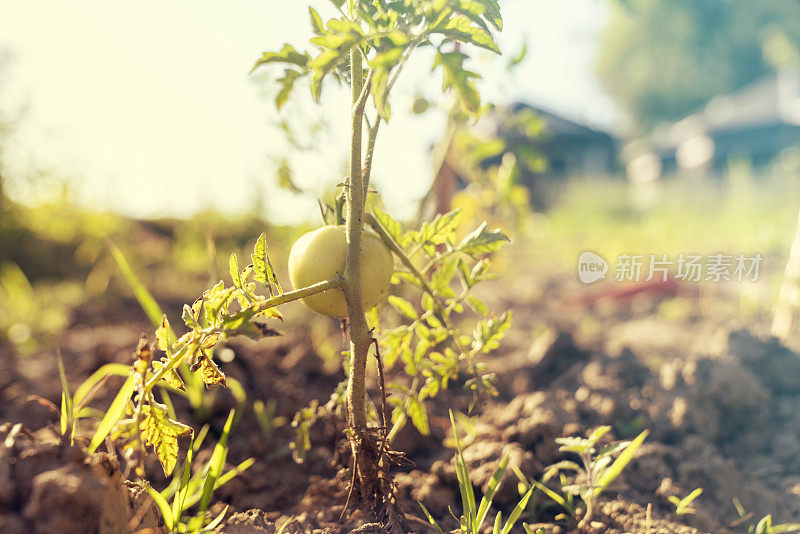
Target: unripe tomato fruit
x=321 y=254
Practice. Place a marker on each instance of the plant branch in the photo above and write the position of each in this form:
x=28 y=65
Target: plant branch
x=319 y=287
x=438 y=308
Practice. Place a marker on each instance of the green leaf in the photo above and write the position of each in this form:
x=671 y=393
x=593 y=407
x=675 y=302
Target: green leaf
x=262 y=267
x=416 y=410
x=403 y=306
x=458 y=79
x=443 y=275
x=233 y=265
x=440 y=229
x=316 y=21
x=286 y=82
x=188 y=317
x=162 y=433
x=477 y=305
x=287 y=54
x=114 y=413
x=488 y=9
x=489 y=332
x=619 y=464
x=460 y=28
x=392 y=227
x=483 y=241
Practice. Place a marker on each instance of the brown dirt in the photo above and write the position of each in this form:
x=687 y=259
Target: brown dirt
x=720 y=406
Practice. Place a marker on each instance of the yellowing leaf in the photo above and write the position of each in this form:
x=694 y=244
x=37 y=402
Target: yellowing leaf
x=170 y=377
x=162 y=335
x=162 y=433
x=210 y=373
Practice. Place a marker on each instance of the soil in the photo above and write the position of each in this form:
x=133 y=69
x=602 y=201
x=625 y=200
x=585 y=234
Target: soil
x=719 y=402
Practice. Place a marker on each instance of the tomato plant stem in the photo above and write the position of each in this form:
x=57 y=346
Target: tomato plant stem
x=360 y=336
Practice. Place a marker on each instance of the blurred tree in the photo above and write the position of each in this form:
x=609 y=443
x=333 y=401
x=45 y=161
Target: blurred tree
x=6 y=124
x=663 y=59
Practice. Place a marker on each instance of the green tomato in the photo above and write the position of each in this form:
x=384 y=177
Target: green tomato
x=321 y=254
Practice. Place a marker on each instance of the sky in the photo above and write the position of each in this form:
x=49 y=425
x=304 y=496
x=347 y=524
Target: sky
x=147 y=107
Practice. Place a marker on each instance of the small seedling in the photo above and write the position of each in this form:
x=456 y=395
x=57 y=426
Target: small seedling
x=684 y=506
x=472 y=518
x=187 y=490
x=595 y=471
x=764 y=525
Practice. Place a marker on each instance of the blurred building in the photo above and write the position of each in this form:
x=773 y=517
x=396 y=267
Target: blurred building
x=568 y=147
x=756 y=123
x=548 y=147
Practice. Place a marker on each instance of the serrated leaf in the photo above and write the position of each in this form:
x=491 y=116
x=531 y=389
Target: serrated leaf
x=458 y=79
x=440 y=228
x=460 y=28
x=489 y=332
x=262 y=267
x=286 y=82
x=316 y=21
x=392 y=227
x=233 y=267
x=189 y=318
x=287 y=54
x=162 y=433
x=419 y=417
x=403 y=306
x=477 y=305
x=483 y=241
x=443 y=275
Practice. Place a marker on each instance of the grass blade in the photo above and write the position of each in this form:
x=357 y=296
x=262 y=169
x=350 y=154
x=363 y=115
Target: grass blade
x=217 y=463
x=431 y=520
x=114 y=413
x=619 y=464
x=216 y=521
x=464 y=483
x=494 y=483
x=517 y=511
x=163 y=505
x=145 y=298
x=550 y=493
x=66 y=397
x=88 y=385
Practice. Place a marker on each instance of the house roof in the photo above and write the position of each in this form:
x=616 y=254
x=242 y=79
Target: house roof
x=556 y=124
x=769 y=101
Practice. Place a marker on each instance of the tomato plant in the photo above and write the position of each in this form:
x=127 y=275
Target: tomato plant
x=321 y=255
x=343 y=270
